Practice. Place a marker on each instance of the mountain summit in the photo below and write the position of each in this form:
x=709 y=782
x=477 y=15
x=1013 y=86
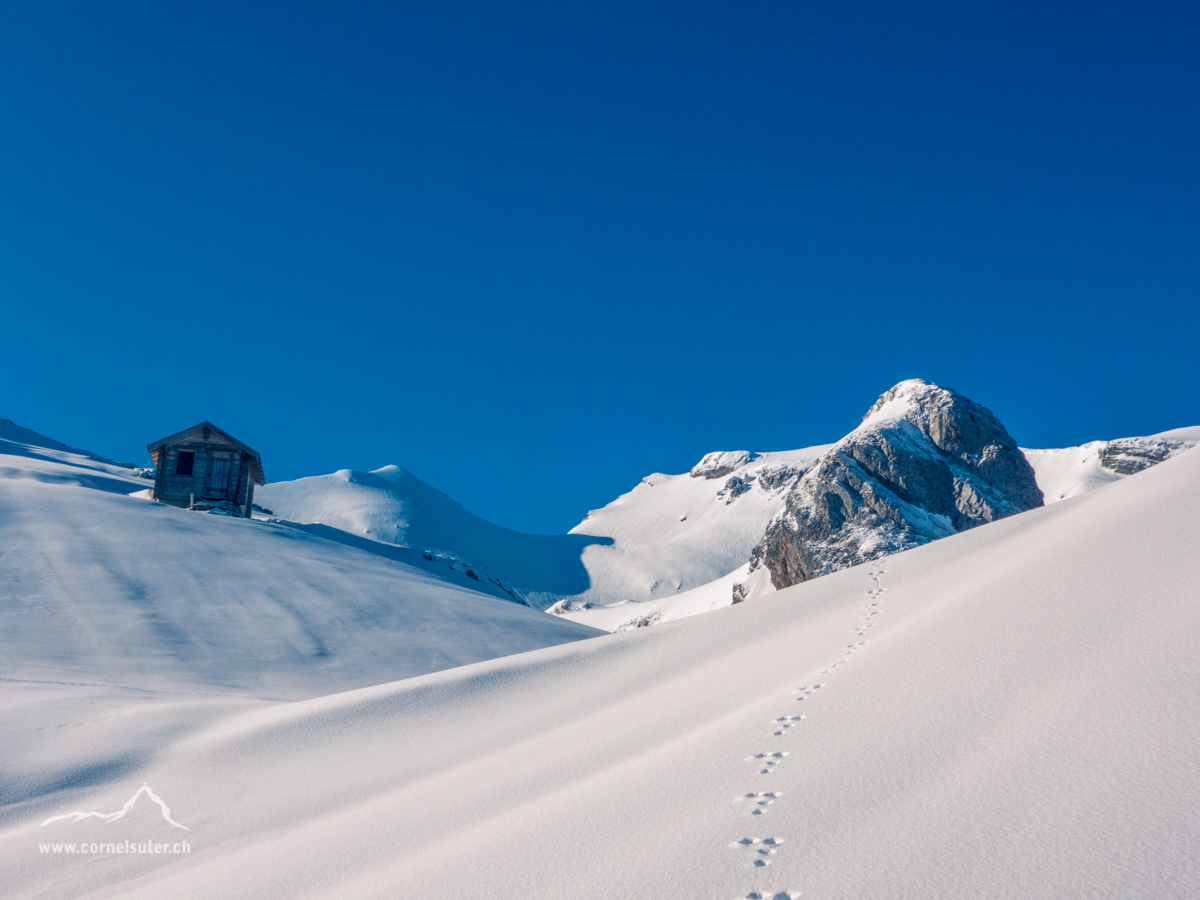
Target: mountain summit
x=925 y=462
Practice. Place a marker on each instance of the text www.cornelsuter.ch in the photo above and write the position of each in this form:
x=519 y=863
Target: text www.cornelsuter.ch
x=117 y=847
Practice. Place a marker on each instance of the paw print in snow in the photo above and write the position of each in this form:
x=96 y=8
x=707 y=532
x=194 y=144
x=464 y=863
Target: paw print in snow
x=768 y=760
x=785 y=722
x=759 y=850
x=808 y=691
x=761 y=800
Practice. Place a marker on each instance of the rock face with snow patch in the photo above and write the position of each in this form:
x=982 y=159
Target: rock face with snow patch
x=721 y=463
x=1128 y=456
x=926 y=462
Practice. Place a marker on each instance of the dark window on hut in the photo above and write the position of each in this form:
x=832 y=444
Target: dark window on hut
x=184 y=462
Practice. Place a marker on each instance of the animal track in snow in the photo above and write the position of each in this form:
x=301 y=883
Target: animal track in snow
x=870 y=611
x=769 y=760
x=761 y=800
x=785 y=722
x=808 y=690
x=759 y=850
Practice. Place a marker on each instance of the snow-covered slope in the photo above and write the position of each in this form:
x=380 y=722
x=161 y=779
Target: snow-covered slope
x=393 y=505
x=100 y=587
x=629 y=614
x=673 y=533
x=669 y=534
x=25 y=454
x=1008 y=712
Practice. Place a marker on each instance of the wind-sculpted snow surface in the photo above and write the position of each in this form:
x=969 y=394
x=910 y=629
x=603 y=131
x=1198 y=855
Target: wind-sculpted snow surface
x=1008 y=712
x=925 y=463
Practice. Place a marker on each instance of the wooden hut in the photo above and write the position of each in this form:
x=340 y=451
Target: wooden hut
x=204 y=465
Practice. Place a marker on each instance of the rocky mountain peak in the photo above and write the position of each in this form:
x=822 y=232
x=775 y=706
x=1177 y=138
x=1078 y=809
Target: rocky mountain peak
x=925 y=462
x=898 y=400
x=962 y=431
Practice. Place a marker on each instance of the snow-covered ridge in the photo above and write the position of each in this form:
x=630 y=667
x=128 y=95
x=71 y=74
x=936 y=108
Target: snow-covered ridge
x=1058 y=473
x=669 y=534
x=667 y=548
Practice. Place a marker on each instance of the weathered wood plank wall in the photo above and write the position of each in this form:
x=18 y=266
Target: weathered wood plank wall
x=177 y=489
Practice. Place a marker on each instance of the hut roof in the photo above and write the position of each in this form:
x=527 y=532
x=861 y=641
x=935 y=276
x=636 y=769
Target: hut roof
x=256 y=471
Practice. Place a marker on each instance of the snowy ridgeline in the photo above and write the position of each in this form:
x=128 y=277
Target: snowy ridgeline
x=359 y=578
x=1009 y=711
x=924 y=463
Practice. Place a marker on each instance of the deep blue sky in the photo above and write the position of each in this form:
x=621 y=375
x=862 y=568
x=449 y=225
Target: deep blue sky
x=535 y=251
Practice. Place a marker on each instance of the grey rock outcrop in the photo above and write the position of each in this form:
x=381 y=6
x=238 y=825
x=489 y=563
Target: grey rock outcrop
x=721 y=463
x=772 y=478
x=926 y=462
x=1128 y=456
x=735 y=487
